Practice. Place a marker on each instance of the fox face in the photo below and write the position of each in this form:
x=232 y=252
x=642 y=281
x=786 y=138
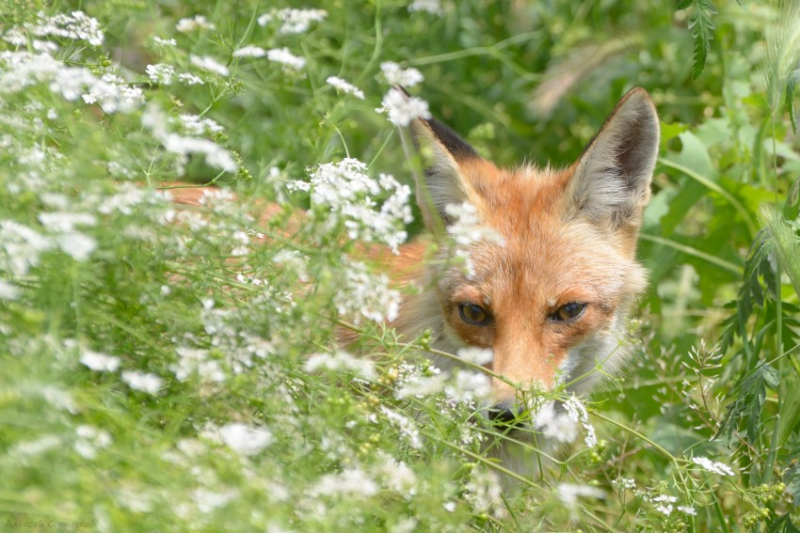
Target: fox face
x=549 y=288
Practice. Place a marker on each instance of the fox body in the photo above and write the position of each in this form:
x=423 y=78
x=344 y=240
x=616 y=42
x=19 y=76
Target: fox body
x=551 y=294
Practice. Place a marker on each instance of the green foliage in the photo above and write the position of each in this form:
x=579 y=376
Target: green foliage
x=177 y=365
x=702 y=29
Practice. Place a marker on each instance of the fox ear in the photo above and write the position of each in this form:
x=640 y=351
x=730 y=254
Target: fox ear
x=444 y=154
x=611 y=181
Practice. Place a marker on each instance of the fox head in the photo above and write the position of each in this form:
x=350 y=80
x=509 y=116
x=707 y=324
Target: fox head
x=549 y=294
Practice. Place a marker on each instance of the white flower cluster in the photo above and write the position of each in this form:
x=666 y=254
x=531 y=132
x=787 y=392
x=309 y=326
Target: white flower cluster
x=466 y=230
x=195 y=125
x=368 y=295
x=210 y=64
x=467 y=386
x=403 y=109
x=244 y=439
x=293 y=20
x=20 y=70
x=715 y=467
x=197 y=23
x=89 y=440
x=23 y=245
x=577 y=413
x=352 y=482
x=351 y=195
x=395 y=75
x=215 y=155
x=249 y=51
x=341 y=360
x=344 y=86
x=285 y=57
x=666 y=504
x=196 y=361
x=143 y=381
x=76 y=26
x=99 y=362
x=160 y=73
x=563 y=426
x=431 y=6
x=476 y=354
x=405 y=425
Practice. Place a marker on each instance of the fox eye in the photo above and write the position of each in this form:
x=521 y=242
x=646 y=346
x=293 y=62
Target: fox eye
x=473 y=314
x=568 y=311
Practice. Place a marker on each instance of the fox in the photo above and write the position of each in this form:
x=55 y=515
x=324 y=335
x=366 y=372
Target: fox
x=551 y=296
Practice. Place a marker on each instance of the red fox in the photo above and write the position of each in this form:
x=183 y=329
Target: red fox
x=549 y=292
x=550 y=296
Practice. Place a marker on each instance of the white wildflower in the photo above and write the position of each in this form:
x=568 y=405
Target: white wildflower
x=344 y=86
x=99 y=362
x=195 y=125
x=190 y=79
x=143 y=381
x=250 y=51
x=350 y=482
x=35 y=447
x=402 y=109
x=199 y=22
x=555 y=425
x=293 y=20
x=210 y=64
x=22 y=247
x=244 y=439
x=665 y=509
x=395 y=75
x=89 y=440
x=624 y=483
x=285 y=57
x=431 y=6
x=75 y=26
x=64 y=222
x=687 y=509
x=160 y=73
x=449 y=506
x=367 y=294
x=714 y=467
x=467 y=386
x=466 y=227
x=77 y=245
x=164 y=42
x=476 y=354
x=406 y=426
x=352 y=196
x=577 y=412
x=196 y=361
x=419 y=386
x=341 y=360
x=207 y=501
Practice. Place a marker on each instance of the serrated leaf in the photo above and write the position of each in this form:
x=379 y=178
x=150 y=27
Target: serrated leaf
x=702 y=29
x=782 y=525
x=683 y=4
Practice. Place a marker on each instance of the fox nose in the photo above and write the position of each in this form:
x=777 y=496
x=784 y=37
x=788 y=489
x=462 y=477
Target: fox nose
x=505 y=415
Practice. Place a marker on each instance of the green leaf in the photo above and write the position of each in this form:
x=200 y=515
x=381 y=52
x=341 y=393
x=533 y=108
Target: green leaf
x=782 y=525
x=749 y=403
x=702 y=29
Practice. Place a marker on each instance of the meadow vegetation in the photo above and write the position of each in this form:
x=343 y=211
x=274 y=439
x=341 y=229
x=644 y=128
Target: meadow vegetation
x=166 y=367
